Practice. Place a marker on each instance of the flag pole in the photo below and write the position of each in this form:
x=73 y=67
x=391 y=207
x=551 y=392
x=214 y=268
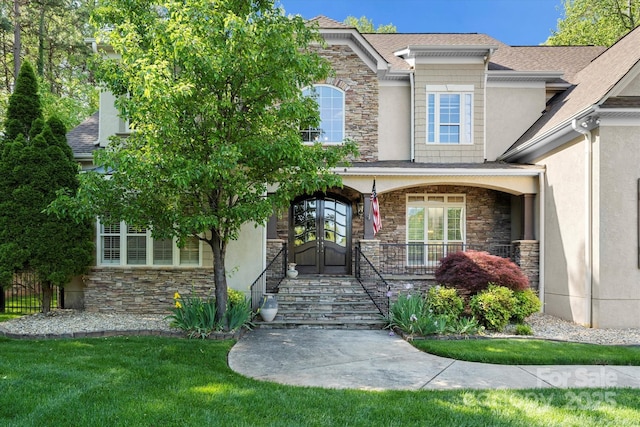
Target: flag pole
x=370 y=204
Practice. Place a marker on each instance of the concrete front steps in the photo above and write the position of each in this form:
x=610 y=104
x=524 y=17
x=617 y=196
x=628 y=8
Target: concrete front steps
x=323 y=302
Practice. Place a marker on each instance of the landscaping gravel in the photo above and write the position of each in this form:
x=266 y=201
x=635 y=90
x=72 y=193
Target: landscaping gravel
x=73 y=323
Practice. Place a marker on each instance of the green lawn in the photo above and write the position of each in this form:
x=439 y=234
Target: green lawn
x=531 y=352
x=152 y=381
x=8 y=316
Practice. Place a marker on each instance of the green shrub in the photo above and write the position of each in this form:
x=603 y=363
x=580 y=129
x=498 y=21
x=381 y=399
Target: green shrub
x=196 y=315
x=522 y=329
x=472 y=271
x=410 y=315
x=464 y=326
x=527 y=303
x=444 y=301
x=494 y=306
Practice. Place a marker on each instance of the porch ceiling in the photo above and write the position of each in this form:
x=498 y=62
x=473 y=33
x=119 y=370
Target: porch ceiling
x=512 y=179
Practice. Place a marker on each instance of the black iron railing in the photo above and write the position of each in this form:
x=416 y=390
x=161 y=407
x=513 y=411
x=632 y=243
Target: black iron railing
x=26 y=295
x=372 y=282
x=423 y=259
x=270 y=279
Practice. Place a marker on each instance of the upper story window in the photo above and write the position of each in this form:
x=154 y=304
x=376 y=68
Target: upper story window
x=121 y=244
x=331 y=106
x=449 y=114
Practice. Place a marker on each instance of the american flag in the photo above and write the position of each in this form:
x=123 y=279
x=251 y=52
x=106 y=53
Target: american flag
x=375 y=208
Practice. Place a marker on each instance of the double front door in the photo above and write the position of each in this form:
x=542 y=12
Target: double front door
x=320 y=235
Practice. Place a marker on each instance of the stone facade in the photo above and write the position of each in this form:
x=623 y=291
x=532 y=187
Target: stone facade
x=488 y=213
x=526 y=253
x=360 y=86
x=143 y=290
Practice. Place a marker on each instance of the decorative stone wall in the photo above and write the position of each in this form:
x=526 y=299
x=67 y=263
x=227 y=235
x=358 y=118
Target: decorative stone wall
x=360 y=85
x=143 y=290
x=488 y=213
x=526 y=253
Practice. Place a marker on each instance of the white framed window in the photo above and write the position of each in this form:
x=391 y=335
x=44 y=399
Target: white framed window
x=330 y=101
x=449 y=114
x=436 y=225
x=121 y=244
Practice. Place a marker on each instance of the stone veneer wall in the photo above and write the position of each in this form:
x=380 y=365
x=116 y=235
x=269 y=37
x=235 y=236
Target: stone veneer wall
x=142 y=290
x=526 y=253
x=360 y=85
x=488 y=213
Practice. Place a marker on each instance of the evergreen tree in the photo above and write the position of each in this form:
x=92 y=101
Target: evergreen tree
x=32 y=171
x=24 y=104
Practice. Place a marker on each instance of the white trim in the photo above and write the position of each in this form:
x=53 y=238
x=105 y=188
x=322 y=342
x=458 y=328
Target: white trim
x=344 y=114
x=382 y=171
x=463 y=91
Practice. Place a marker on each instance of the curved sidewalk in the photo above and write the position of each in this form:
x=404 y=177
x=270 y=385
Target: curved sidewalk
x=374 y=360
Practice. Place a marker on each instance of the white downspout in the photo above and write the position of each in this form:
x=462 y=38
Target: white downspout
x=413 y=118
x=588 y=243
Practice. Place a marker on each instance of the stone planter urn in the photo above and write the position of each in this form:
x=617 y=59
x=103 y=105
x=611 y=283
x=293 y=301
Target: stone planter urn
x=292 y=273
x=269 y=307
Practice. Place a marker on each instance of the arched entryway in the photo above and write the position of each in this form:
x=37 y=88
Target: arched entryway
x=320 y=234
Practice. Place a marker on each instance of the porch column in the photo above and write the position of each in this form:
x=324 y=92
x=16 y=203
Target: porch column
x=526 y=254
x=528 y=214
x=368 y=218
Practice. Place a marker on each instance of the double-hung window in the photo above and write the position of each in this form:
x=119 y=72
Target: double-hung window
x=122 y=244
x=331 y=106
x=449 y=114
x=435 y=227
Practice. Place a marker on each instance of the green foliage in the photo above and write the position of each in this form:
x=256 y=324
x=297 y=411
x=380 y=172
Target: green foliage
x=214 y=95
x=34 y=166
x=197 y=316
x=365 y=25
x=464 y=325
x=411 y=315
x=444 y=301
x=494 y=306
x=24 y=105
x=527 y=303
x=595 y=22
x=522 y=329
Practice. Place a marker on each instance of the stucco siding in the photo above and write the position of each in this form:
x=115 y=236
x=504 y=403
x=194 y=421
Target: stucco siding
x=633 y=88
x=395 y=122
x=510 y=112
x=564 y=233
x=616 y=281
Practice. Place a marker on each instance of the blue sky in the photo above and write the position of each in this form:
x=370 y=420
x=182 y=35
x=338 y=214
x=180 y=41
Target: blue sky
x=515 y=22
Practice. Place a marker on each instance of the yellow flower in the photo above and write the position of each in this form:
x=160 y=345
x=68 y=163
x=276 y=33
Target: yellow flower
x=178 y=305
x=176 y=296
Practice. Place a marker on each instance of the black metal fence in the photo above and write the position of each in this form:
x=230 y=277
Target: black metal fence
x=372 y=281
x=25 y=295
x=423 y=259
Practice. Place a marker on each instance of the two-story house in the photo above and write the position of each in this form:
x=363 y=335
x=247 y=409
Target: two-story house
x=526 y=152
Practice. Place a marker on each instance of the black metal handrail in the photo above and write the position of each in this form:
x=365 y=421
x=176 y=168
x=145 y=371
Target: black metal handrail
x=270 y=278
x=424 y=259
x=372 y=282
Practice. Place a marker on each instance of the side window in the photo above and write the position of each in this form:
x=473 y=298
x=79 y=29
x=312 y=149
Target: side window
x=121 y=244
x=449 y=118
x=331 y=106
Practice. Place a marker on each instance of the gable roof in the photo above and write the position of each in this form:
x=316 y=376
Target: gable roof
x=593 y=85
x=324 y=22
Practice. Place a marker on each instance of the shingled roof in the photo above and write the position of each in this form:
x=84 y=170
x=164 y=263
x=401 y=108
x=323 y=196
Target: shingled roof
x=592 y=86
x=83 y=137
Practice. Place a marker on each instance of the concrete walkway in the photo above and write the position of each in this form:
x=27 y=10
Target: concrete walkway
x=374 y=360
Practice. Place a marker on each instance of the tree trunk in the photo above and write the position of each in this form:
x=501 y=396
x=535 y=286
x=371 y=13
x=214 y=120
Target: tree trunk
x=219 y=277
x=47 y=294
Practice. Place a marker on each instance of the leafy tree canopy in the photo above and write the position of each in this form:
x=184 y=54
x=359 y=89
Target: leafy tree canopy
x=595 y=22
x=24 y=105
x=213 y=95
x=365 y=25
